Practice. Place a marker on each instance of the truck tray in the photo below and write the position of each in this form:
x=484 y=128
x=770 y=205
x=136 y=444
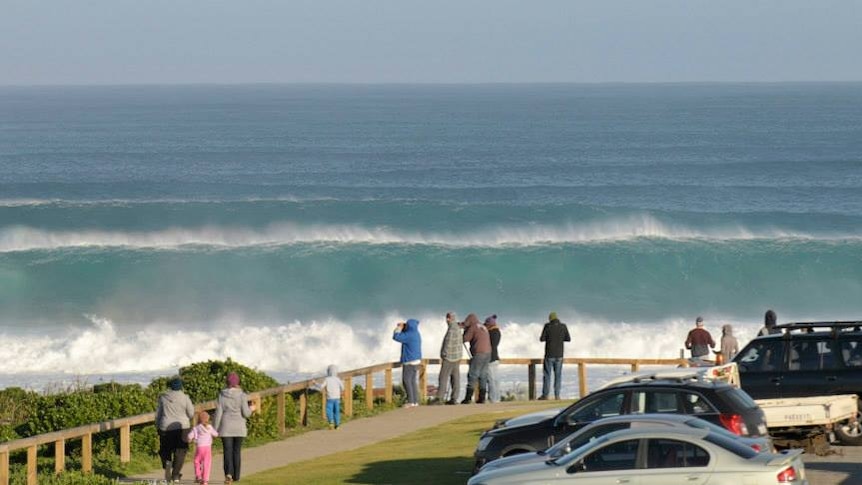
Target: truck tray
x=808 y=411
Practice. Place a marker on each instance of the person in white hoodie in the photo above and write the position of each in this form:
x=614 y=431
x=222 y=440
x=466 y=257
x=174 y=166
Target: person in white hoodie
x=232 y=410
x=333 y=387
x=173 y=420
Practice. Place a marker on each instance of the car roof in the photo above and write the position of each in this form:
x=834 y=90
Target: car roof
x=675 y=383
x=649 y=417
x=659 y=432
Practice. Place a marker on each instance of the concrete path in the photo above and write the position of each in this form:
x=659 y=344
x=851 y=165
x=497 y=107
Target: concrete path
x=351 y=435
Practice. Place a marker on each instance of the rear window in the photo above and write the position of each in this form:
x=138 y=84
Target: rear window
x=738 y=398
x=731 y=445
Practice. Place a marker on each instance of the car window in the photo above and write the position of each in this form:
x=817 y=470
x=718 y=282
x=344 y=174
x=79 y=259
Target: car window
x=585 y=436
x=762 y=356
x=664 y=453
x=604 y=406
x=697 y=404
x=811 y=355
x=851 y=352
x=655 y=401
x=738 y=398
x=622 y=455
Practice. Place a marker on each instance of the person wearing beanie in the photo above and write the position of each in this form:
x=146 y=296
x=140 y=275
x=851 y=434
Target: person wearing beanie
x=173 y=419
x=770 y=320
x=407 y=333
x=699 y=341
x=493 y=377
x=480 y=356
x=232 y=411
x=451 y=352
x=555 y=333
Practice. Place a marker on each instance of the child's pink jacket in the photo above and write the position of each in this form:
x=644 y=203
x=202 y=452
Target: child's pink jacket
x=203 y=435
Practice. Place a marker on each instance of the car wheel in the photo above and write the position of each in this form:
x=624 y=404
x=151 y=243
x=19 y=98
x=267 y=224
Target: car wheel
x=850 y=432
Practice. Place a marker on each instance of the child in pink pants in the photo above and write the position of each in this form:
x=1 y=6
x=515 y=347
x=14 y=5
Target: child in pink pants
x=203 y=435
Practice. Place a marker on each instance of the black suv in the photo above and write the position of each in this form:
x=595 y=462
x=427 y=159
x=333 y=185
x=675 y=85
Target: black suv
x=717 y=402
x=806 y=359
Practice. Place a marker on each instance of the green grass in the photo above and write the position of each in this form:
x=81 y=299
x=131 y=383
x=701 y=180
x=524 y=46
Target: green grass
x=439 y=455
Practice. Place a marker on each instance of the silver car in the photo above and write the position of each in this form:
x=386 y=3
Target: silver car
x=616 y=423
x=657 y=456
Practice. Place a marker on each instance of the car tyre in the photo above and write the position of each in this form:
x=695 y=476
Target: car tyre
x=850 y=432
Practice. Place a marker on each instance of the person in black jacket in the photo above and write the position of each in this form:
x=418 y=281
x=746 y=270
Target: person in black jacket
x=554 y=334
x=493 y=379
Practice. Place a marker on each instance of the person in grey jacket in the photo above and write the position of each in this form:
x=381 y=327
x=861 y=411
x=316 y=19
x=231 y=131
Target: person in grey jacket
x=451 y=352
x=232 y=409
x=173 y=421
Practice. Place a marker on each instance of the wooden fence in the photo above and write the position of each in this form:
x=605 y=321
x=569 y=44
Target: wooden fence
x=124 y=425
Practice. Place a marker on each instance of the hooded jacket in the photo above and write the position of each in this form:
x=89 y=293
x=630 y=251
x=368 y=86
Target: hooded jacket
x=494 y=335
x=729 y=344
x=411 y=341
x=231 y=412
x=175 y=411
x=477 y=335
x=332 y=384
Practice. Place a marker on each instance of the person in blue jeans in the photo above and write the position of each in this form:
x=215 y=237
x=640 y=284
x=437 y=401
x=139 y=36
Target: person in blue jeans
x=554 y=334
x=334 y=387
x=407 y=334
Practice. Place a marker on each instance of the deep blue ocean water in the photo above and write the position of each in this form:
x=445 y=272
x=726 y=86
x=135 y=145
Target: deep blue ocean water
x=288 y=226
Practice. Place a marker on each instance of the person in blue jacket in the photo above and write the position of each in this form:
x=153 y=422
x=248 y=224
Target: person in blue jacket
x=407 y=333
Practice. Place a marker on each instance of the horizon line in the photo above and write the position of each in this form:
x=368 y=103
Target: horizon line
x=424 y=83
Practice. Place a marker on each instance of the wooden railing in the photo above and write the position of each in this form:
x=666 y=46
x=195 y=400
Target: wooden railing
x=85 y=433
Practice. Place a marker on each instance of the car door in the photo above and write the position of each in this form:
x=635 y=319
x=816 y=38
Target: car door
x=675 y=462
x=604 y=405
x=614 y=463
x=761 y=367
x=812 y=367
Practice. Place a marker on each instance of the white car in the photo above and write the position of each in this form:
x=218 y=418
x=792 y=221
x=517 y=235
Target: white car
x=657 y=456
x=616 y=423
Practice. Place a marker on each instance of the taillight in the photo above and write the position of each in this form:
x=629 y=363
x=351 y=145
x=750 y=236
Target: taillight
x=734 y=424
x=755 y=447
x=787 y=476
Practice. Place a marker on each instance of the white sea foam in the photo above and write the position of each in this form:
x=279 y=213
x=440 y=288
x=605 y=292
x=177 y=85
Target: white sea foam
x=23 y=238
x=102 y=349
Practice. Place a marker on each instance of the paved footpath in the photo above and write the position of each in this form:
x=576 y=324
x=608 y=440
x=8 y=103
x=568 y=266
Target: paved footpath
x=352 y=434
x=842 y=468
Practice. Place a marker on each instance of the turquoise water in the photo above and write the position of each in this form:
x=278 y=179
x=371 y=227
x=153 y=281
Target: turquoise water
x=274 y=224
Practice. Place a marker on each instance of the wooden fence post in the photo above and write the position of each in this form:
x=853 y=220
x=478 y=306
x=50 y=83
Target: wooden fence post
x=282 y=427
x=387 y=393
x=87 y=453
x=423 y=381
x=303 y=408
x=4 y=468
x=59 y=455
x=348 y=396
x=125 y=443
x=369 y=391
x=636 y=366
x=531 y=381
x=582 y=379
x=31 y=465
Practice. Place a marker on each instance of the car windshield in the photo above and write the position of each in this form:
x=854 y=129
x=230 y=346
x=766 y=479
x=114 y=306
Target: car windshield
x=739 y=398
x=703 y=424
x=578 y=439
x=731 y=445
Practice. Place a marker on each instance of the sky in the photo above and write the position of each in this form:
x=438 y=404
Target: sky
x=439 y=41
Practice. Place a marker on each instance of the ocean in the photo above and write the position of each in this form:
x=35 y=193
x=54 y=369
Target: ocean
x=289 y=227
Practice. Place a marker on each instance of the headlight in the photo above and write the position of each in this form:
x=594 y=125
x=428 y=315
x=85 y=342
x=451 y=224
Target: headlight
x=484 y=442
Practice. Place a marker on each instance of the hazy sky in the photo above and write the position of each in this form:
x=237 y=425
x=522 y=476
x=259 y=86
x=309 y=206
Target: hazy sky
x=232 y=41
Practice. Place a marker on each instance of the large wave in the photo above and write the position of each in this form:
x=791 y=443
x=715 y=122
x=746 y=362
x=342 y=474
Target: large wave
x=23 y=238
x=308 y=347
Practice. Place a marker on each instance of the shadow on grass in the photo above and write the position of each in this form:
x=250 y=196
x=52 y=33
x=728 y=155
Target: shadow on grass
x=439 y=471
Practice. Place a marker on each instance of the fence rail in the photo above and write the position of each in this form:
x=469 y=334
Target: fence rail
x=124 y=425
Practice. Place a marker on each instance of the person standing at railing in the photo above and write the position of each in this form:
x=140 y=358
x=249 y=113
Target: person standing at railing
x=480 y=355
x=555 y=333
x=451 y=352
x=770 y=320
x=232 y=411
x=407 y=333
x=333 y=387
x=173 y=419
x=494 y=365
x=203 y=435
x=729 y=344
x=699 y=341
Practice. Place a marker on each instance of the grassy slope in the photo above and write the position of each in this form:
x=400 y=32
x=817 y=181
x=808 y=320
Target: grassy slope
x=439 y=455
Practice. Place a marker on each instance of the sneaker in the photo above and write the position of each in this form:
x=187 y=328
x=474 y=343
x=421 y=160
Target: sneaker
x=228 y=479
x=451 y=402
x=336 y=426
x=331 y=426
x=542 y=398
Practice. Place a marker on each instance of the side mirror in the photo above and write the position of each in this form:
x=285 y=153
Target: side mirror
x=577 y=467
